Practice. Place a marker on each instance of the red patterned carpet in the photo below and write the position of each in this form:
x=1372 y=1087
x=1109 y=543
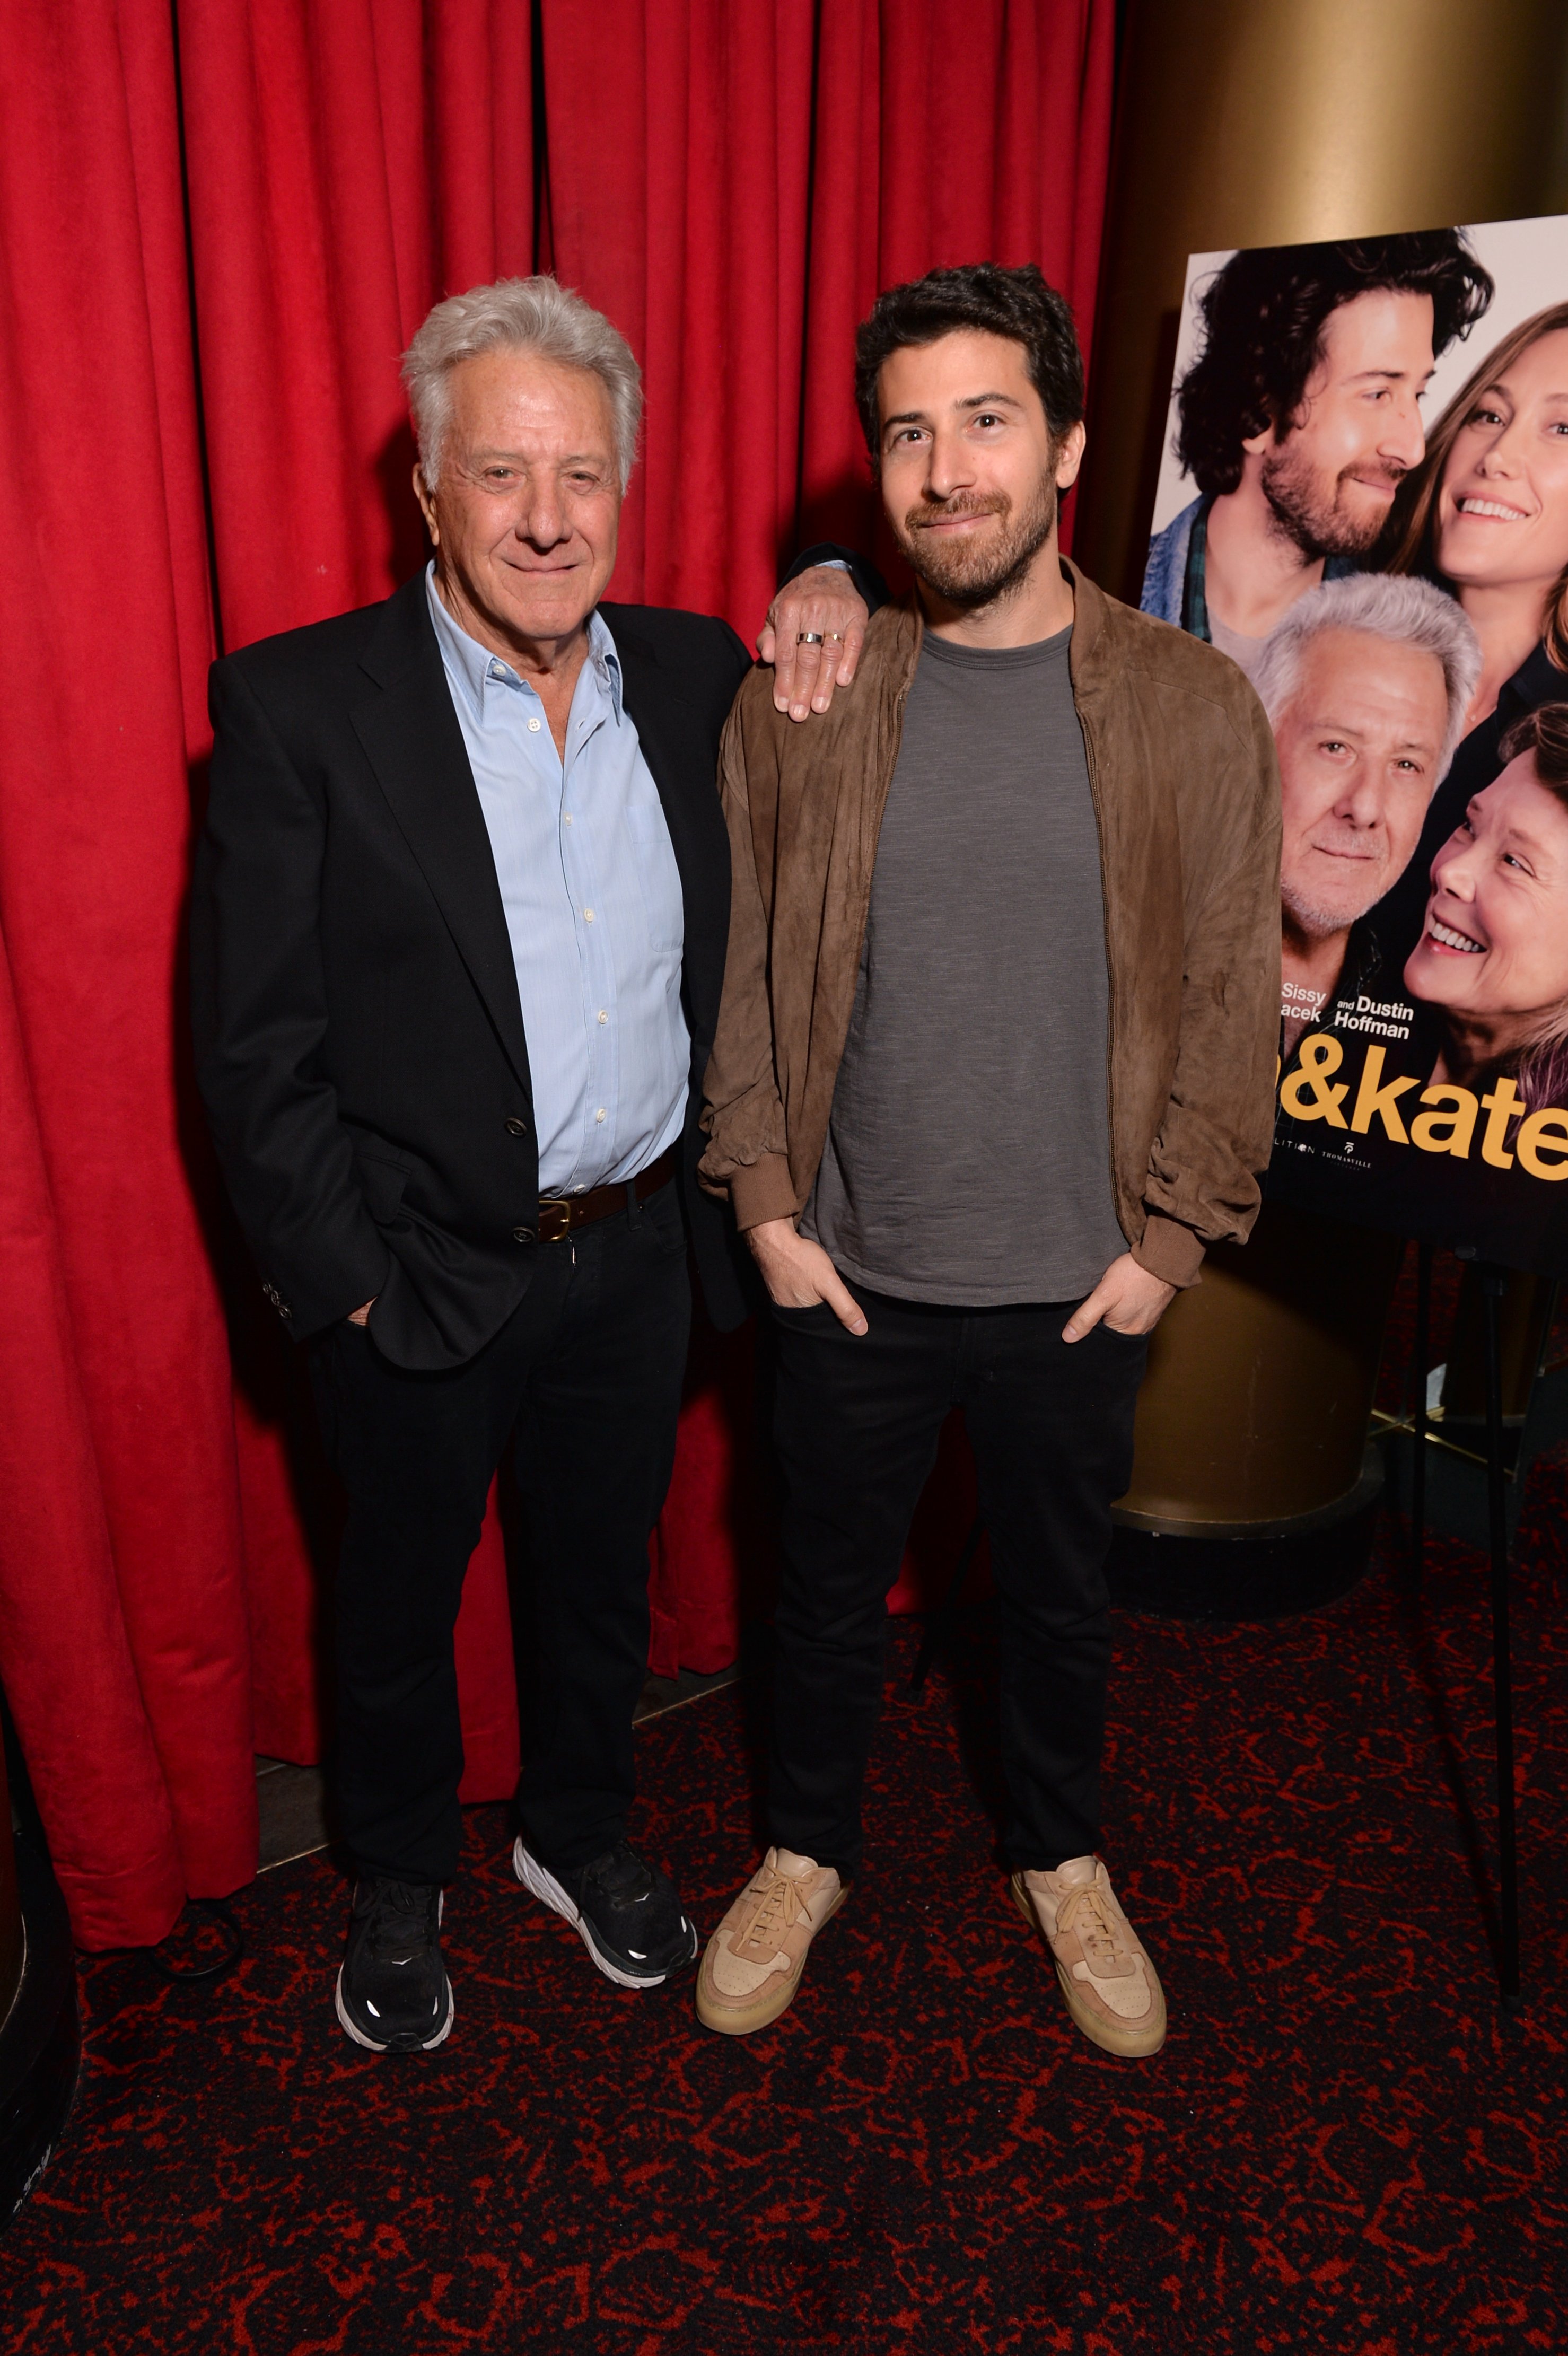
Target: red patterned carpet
x=1343 y=2149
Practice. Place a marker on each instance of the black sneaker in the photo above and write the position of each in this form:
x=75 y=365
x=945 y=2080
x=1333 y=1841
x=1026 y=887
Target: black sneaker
x=393 y=1994
x=626 y=1913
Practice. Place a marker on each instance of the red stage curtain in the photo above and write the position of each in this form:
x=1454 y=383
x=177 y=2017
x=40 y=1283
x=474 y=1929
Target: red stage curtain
x=734 y=203
x=218 y=227
x=122 y=1609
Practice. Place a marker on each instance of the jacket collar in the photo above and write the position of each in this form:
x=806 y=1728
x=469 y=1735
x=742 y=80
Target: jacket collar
x=1536 y=681
x=1086 y=655
x=414 y=743
x=402 y=635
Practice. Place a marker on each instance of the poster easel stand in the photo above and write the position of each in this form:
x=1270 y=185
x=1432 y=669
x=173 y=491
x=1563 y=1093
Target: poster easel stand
x=1492 y=1280
x=1418 y=1417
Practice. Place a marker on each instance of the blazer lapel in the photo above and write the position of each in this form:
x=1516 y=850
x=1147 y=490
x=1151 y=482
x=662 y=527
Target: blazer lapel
x=413 y=740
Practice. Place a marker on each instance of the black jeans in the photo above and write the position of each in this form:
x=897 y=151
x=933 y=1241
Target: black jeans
x=584 y=1381
x=856 y=1423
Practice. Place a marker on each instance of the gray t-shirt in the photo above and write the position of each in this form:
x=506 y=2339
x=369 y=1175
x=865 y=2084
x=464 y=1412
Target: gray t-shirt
x=968 y=1160
x=1244 y=652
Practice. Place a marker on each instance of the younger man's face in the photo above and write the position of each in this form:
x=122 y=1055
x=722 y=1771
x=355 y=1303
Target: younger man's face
x=969 y=473
x=1332 y=479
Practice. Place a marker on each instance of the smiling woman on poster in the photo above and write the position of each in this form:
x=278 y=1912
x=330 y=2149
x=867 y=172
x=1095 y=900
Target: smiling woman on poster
x=1485 y=516
x=1492 y=959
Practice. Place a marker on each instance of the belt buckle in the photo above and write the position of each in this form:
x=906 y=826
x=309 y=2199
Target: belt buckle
x=554 y=1222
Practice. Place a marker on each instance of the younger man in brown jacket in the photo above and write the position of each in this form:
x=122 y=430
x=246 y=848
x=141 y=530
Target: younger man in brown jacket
x=994 y=1064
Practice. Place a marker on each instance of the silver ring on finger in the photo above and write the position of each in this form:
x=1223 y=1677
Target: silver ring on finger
x=808 y=637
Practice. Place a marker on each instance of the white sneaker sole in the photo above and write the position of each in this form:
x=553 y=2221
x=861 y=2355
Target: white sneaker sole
x=370 y=2043
x=548 y=1890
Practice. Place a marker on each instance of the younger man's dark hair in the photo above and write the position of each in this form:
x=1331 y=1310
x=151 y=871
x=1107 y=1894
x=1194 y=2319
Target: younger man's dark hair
x=981 y=295
x=1263 y=317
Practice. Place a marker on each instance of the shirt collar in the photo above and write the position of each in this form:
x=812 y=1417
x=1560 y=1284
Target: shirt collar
x=1536 y=681
x=470 y=664
x=1195 y=587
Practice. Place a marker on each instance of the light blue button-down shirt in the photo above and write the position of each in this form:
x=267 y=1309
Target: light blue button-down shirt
x=594 y=908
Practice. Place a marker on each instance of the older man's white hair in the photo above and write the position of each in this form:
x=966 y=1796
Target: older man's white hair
x=1391 y=605
x=522 y=315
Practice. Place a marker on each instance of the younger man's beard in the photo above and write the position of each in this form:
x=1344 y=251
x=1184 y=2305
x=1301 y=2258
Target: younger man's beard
x=965 y=574
x=1318 y=527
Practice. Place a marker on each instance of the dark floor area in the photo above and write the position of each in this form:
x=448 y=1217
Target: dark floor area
x=1345 y=2146
x=294 y=1804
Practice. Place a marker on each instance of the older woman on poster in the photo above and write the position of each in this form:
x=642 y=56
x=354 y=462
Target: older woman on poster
x=1492 y=958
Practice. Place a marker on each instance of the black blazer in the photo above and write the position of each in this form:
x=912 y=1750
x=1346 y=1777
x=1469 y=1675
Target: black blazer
x=359 y=1033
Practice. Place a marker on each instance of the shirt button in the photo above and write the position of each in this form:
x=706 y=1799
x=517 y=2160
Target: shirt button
x=534 y=727
x=604 y=1016
x=600 y=1114
x=568 y=821
x=516 y=1125
x=588 y=916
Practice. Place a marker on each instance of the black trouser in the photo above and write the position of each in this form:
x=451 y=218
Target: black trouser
x=584 y=1380
x=856 y=1423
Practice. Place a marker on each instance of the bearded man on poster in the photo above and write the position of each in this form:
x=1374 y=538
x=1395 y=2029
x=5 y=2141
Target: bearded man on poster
x=994 y=1065
x=1298 y=420
x=458 y=933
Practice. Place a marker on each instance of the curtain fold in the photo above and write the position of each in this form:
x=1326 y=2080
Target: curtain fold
x=121 y=1454
x=220 y=222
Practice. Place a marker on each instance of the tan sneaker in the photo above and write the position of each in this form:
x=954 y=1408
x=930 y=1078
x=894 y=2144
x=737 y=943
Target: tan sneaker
x=755 y=1959
x=1111 y=1988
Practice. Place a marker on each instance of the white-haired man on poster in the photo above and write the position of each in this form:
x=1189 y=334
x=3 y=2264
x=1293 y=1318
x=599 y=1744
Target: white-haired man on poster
x=1366 y=683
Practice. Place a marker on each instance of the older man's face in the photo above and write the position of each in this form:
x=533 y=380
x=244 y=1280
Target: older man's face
x=1359 y=745
x=526 y=511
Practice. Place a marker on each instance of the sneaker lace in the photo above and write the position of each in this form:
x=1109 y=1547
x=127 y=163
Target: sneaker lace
x=781 y=1903
x=1100 y=1935
x=622 y=1874
x=402 y=1923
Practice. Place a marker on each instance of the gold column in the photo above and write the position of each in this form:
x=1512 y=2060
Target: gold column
x=1271 y=121
x=1263 y=123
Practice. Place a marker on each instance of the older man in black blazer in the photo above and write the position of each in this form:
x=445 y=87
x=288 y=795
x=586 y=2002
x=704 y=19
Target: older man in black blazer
x=459 y=926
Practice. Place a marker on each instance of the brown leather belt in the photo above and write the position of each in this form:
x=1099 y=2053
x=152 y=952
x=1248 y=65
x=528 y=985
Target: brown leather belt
x=559 y=1214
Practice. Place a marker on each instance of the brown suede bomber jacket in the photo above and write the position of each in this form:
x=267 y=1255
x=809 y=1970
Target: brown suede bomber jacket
x=1187 y=799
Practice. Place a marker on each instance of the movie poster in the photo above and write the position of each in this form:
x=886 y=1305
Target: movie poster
x=1364 y=502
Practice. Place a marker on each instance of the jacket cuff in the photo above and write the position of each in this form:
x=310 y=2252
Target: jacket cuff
x=1169 y=1251
x=867 y=579
x=762 y=1190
